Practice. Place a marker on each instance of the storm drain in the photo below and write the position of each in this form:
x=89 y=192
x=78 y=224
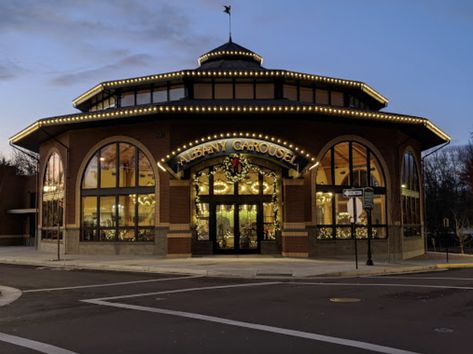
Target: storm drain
x=344 y=299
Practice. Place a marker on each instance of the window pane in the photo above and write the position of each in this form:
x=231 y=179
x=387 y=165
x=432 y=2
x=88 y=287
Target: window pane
x=160 y=94
x=89 y=212
x=269 y=185
x=143 y=97
x=224 y=91
x=202 y=221
x=324 y=202
x=342 y=164
x=268 y=221
x=378 y=214
x=52 y=197
x=203 y=91
x=128 y=234
x=111 y=103
x=128 y=99
x=108 y=166
x=324 y=170
x=376 y=172
x=290 y=92
x=306 y=94
x=126 y=210
x=146 y=235
x=221 y=185
x=343 y=233
x=176 y=93
x=145 y=170
x=146 y=209
x=341 y=208
x=250 y=185
x=203 y=183
x=264 y=91
x=321 y=96
x=127 y=165
x=107 y=235
x=337 y=99
x=107 y=211
x=360 y=166
x=244 y=90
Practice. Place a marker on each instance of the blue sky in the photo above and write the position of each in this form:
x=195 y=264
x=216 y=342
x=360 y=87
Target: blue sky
x=418 y=53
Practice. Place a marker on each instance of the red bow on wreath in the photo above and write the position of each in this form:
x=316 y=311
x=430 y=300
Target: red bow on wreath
x=235 y=161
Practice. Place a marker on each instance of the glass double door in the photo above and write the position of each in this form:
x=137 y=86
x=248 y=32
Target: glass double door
x=237 y=227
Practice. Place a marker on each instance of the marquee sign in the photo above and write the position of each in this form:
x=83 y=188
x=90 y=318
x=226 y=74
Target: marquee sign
x=282 y=155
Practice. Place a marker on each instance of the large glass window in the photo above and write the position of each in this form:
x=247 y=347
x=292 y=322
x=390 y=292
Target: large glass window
x=118 y=200
x=348 y=165
x=410 y=196
x=53 y=198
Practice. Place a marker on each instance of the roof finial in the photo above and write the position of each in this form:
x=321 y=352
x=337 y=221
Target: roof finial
x=228 y=10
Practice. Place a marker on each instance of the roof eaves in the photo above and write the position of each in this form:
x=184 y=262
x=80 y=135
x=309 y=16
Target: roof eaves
x=195 y=109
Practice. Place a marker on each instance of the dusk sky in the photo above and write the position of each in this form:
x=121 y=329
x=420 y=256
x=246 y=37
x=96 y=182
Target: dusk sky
x=418 y=53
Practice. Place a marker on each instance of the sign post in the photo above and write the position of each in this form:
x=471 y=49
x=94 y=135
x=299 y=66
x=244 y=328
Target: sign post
x=354 y=209
x=446 y=224
x=368 y=206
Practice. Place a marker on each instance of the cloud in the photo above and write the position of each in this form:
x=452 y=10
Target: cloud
x=10 y=71
x=130 y=61
x=88 y=20
x=88 y=33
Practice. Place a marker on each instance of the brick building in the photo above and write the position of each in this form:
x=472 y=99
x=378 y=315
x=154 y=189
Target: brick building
x=17 y=207
x=230 y=157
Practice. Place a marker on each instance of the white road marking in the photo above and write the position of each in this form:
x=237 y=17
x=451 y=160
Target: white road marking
x=112 y=284
x=8 y=295
x=387 y=285
x=184 y=290
x=421 y=278
x=258 y=327
x=32 y=344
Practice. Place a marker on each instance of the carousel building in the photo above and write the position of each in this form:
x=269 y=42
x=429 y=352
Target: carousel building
x=230 y=157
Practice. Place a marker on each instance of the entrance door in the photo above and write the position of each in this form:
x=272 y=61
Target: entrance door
x=237 y=228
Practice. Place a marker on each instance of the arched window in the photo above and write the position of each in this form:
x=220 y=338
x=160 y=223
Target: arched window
x=410 y=196
x=53 y=198
x=348 y=165
x=118 y=196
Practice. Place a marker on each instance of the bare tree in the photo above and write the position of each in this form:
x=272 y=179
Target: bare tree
x=447 y=192
x=25 y=163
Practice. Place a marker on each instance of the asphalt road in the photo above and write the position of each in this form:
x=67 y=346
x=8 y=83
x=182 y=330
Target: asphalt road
x=75 y=311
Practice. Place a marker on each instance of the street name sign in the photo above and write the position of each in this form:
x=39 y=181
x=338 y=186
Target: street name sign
x=353 y=192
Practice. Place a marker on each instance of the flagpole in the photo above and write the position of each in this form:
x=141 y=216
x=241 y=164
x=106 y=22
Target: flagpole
x=230 y=26
x=228 y=10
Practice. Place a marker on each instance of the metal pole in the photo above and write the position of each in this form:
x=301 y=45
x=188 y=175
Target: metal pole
x=353 y=230
x=446 y=239
x=58 y=229
x=369 y=261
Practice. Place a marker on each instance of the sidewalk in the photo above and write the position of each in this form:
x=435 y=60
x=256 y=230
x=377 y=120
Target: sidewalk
x=230 y=266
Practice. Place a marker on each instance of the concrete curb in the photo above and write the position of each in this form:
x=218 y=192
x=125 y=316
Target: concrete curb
x=8 y=295
x=454 y=265
x=248 y=274
x=384 y=271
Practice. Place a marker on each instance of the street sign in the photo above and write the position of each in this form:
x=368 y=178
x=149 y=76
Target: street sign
x=368 y=197
x=353 y=192
x=355 y=205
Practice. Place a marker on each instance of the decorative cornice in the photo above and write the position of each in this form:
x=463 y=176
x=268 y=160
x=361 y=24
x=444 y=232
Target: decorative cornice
x=224 y=53
x=157 y=109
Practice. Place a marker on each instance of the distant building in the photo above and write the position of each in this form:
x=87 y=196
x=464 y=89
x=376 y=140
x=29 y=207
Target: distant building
x=17 y=207
x=230 y=157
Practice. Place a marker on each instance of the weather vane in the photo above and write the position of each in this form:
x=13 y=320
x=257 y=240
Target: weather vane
x=228 y=10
